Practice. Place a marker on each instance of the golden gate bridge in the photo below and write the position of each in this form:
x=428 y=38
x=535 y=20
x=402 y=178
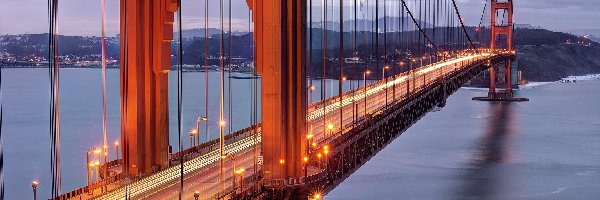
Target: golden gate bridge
x=409 y=55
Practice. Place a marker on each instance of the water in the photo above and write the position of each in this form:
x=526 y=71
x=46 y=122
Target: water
x=551 y=150
x=548 y=148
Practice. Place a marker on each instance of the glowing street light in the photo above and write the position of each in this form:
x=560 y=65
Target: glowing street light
x=96 y=151
x=317 y=196
x=34 y=185
x=196 y=195
x=200 y=119
x=383 y=78
x=116 y=150
x=330 y=128
x=368 y=72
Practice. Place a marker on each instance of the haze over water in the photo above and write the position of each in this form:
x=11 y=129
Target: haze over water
x=548 y=148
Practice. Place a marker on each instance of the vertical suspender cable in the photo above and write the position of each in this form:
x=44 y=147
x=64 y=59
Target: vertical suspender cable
x=310 y=50
x=341 y=62
x=354 y=55
x=376 y=34
x=229 y=96
x=221 y=95
x=324 y=78
x=180 y=97
x=206 y=69
x=105 y=145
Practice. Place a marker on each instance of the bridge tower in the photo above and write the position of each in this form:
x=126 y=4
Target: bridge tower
x=501 y=38
x=502 y=30
x=280 y=28
x=146 y=34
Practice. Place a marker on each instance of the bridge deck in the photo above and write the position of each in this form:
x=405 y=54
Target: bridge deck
x=201 y=169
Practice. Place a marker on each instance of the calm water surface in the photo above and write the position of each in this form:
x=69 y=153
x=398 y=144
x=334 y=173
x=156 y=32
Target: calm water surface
x=548 y=148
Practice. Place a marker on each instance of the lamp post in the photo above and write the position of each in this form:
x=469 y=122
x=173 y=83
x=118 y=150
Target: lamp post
x=193 y=136
x=310 y=92
x=196 y=195
x=365 y=74
x=88 y=163
x=305 y=159
x=319 y=155
x=330 y=128
x=97 y=170
x=34 y=185
x=385 y=82
x=200 y=119
x=116 y=150
x=240 y=173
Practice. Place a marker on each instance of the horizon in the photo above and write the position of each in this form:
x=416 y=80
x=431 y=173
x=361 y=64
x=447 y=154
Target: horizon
x=82 y=18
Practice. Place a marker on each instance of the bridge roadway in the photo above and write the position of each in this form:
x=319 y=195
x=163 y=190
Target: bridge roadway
x=202 y=172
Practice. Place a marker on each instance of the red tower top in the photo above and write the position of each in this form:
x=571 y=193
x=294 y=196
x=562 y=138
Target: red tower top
x=503 y=9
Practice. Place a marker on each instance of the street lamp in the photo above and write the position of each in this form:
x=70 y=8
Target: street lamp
x=240 y=173
x=117 y=150
x=34 y=185
x=310 y=92
x=192 y=138
x=200 y=119
x=317 y=196
x=305 y=159
x=196 y=195
x=96 y=151
x=319 y=155
x=330 y=128
x=385 y=82
x=368 y=72
x=97 y=174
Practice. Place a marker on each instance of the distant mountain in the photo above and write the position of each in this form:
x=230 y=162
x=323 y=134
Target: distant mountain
x=543 y=55
x=200 y=33
x=393 y=24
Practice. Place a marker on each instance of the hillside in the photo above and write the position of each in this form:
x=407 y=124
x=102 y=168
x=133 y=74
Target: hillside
x=543 y=55
x=548 y=56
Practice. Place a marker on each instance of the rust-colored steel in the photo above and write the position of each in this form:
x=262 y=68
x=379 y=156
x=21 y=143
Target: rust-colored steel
x=280 y=54
x=506 y=7
x=146 y=34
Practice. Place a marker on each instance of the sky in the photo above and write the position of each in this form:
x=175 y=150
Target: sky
x=82 y=17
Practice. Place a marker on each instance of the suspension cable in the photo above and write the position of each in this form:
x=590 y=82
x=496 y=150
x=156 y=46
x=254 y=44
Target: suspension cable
x=418 y=26
x=463 y=25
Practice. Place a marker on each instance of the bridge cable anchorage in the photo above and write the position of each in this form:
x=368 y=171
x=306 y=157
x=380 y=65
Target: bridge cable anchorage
x=419 y=27
x=460 y=19
x=180 y=95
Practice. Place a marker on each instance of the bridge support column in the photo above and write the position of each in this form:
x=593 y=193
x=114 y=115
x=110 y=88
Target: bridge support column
x=146 y=34
x=280 y=47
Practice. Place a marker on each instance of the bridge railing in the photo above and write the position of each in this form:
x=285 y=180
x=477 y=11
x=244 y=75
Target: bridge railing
x=336 y=98
x=214 y=144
